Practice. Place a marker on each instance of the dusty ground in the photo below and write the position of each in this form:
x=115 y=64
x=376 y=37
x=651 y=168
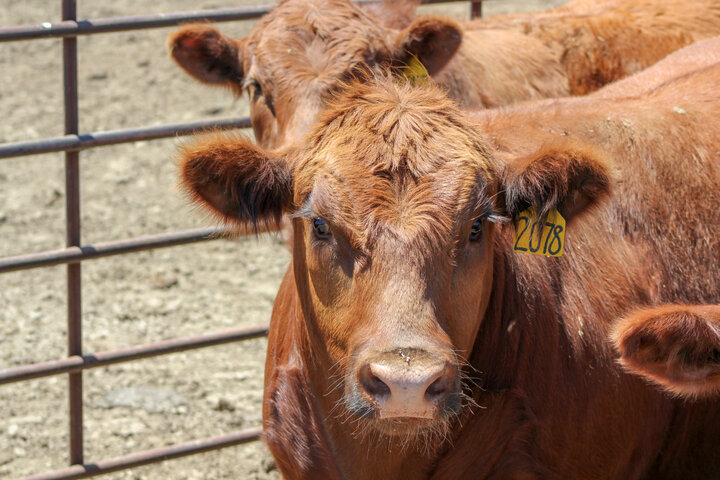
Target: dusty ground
x=127 y=80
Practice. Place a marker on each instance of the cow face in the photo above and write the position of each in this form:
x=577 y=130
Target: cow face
x=300 y=53
x=393 y=225
x=395 y=203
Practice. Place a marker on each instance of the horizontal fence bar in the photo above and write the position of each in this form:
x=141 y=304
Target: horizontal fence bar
x=150 y=456
x=138 y=22
x=114 y=137
x=77 y=363
x=107 y=249
x=135 y=22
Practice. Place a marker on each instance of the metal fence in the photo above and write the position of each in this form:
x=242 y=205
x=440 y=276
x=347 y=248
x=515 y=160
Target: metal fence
x=72 y=143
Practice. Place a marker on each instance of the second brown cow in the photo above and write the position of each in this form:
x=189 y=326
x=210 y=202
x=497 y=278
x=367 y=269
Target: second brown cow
x=300 y=53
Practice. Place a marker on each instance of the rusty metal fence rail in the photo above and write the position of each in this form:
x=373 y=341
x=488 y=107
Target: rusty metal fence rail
x=75 y=252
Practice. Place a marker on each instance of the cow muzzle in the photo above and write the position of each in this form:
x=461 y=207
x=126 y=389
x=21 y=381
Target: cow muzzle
x=408 y=384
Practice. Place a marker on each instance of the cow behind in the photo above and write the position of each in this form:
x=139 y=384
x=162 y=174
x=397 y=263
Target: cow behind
x=601 y=41
x=299 y=54
x=404 y=283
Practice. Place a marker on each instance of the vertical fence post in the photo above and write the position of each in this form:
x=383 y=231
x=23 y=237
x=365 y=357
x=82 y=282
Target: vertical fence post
x=475 y=9
x=72 y=196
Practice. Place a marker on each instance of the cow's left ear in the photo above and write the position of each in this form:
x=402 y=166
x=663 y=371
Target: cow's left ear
x=238 y=181
x=568 y=177
x=432 y=40
x=675 y=346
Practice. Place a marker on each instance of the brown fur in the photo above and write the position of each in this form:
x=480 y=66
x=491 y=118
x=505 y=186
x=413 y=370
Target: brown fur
x=600 y=41
x=683 y=62
x=298 y=54
x=400 y=182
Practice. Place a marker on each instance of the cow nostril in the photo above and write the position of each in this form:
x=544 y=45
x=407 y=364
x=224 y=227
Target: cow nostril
x=372 y=383
x=439 y=388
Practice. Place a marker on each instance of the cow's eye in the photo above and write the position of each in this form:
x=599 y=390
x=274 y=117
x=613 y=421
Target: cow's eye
x=256 y=88
x=476 y=231
x=321 y=229
x=257 y=92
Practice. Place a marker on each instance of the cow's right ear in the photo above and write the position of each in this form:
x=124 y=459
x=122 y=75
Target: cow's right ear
x=568 y=176
x=208 y=55
x=675 y=346
x=238 y=181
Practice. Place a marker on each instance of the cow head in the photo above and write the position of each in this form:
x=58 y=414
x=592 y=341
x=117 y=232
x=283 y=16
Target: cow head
x=299 y=54
x=395 y=200
x=675 y=346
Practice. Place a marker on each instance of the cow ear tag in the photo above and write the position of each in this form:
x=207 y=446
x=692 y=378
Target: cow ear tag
x=529 y=239
x=415 y=71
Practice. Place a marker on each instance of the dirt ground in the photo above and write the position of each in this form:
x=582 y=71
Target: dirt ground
x=127 y=80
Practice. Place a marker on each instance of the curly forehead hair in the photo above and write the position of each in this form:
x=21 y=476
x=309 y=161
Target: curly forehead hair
x=385 y=123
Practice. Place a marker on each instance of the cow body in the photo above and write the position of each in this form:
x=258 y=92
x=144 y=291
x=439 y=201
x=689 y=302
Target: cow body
x=404 y=277
x=304 y=50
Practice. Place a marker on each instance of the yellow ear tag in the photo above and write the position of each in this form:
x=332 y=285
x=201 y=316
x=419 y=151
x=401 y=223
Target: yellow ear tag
x=528 y=238
x=415 y=71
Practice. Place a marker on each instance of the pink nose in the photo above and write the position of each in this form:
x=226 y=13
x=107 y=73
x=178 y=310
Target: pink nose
x=401 y=387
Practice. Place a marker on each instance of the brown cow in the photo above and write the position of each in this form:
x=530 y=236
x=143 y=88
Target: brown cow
x=300 y=52
x=409 y=340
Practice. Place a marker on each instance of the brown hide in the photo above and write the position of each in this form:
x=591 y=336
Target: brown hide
x=400 y=175
x=298 y=54
x=599 y=41
x=685 y=61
